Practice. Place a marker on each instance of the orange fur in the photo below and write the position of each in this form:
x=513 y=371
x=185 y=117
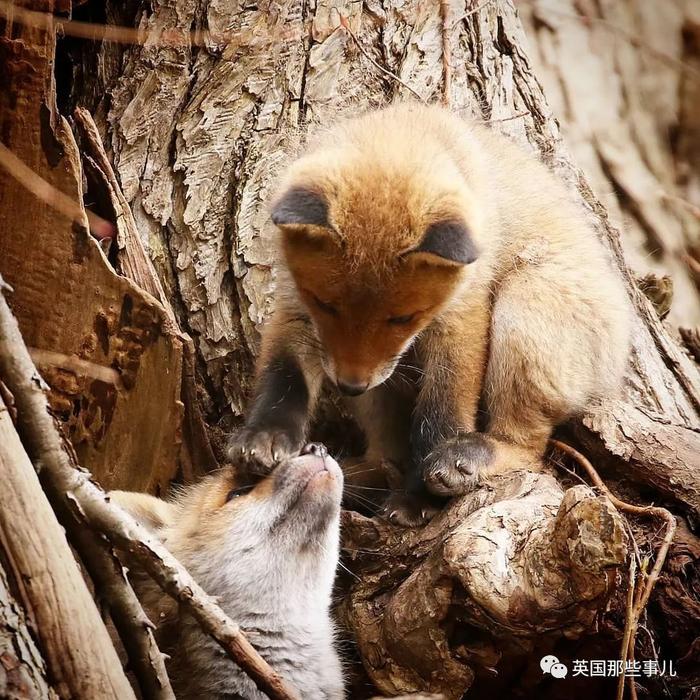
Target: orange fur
x=527 y=318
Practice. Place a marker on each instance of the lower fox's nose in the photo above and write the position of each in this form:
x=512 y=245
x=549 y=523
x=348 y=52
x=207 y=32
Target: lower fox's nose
x=317 y=449
x=352 y=388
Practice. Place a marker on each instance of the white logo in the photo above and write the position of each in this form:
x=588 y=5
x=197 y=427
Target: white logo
x=550 y=664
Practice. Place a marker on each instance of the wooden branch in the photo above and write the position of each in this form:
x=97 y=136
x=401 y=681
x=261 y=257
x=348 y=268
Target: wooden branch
x=24 y=673
x=74 y=641
x=446 y=53
x=133 y=626
x=87 y=502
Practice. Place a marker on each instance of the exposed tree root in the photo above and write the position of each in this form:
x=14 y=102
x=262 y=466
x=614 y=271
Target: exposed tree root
x=637 y=600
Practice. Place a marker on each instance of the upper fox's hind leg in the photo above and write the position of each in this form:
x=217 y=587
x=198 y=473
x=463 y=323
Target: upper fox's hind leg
x=554 y=346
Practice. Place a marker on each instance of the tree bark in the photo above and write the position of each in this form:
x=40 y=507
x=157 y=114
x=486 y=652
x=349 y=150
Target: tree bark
x=623 y=79
x=74 y=642
x=198 y=137
x=22 y=668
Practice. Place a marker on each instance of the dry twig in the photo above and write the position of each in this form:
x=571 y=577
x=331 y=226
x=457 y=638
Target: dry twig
x=88 y=503
x=647 y=586
x=47 y=193
x=446 y=53
x=471 y=12
x=133 y=626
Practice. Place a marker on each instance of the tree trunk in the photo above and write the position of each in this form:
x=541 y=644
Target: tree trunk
x=199 y=134
x=22 y=669
x=623 y=77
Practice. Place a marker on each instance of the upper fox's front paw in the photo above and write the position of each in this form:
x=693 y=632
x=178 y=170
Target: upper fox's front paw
x=453 y=467
x=261 y=451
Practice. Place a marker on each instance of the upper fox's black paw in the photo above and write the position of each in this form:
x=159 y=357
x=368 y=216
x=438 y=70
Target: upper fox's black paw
x=453 y=467
x=260 y=451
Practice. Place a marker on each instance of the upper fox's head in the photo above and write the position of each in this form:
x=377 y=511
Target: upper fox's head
x=378 y=231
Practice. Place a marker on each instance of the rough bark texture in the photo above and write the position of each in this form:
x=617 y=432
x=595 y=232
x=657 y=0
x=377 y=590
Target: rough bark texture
x=518 y=569
x=623 y=79
x=22 y=668
x=515 y=560
x=73 y=640
x=101 y=342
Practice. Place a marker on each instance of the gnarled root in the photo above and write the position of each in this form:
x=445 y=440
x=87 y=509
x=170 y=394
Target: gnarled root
x=515 y=559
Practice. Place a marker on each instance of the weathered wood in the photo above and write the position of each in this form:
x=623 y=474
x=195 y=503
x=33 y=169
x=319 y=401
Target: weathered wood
x=199 y=137
x=133 y=262
x=519 y=558
x=23 y=674
x=69 y=301
x=622 y=77
x=73 y=639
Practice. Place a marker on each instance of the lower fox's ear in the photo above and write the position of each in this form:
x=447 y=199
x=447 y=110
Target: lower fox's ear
x=153 y=513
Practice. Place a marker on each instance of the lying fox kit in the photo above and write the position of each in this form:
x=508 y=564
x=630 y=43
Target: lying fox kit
x=442 y=278
x=267 y=552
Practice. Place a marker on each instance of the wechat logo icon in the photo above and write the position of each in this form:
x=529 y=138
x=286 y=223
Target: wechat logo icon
x=550 y=664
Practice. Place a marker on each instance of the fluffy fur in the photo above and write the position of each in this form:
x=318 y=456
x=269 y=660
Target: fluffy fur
x=429 y=262
x=268 y=555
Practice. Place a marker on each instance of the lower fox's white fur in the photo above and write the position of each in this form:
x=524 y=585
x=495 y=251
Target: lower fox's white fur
x=269 y=558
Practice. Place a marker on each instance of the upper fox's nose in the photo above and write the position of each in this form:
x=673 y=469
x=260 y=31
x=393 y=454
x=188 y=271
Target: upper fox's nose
x=352 y=388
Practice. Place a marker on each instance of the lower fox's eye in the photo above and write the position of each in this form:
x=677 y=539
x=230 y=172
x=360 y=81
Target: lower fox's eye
x=401 y=320
x=241 y=491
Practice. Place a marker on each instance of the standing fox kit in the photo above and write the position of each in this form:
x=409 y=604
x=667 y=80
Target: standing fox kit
x=445 y=283
x=267 y=552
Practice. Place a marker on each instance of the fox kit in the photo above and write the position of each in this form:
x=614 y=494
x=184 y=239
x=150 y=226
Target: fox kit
x=444 y=282
x=267 y=552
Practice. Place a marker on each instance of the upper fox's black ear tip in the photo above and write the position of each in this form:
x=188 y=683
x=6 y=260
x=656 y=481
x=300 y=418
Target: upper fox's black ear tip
x=300 y=205
x=451 y=240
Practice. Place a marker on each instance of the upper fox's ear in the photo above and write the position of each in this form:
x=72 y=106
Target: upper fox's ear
x=446 y=242
x=300 y=206
x=154 y=513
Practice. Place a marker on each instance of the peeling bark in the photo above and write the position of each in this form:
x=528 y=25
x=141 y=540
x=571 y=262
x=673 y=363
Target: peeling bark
x=74 y=643
x=198 y=136
x=101 y=342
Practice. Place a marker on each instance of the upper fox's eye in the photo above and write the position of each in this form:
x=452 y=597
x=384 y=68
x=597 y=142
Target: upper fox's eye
x=401 y=320
x=240 y=491
x=327 y=308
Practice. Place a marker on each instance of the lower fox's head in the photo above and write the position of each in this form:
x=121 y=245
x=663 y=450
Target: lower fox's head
x=376 y=250
x=233 y=532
